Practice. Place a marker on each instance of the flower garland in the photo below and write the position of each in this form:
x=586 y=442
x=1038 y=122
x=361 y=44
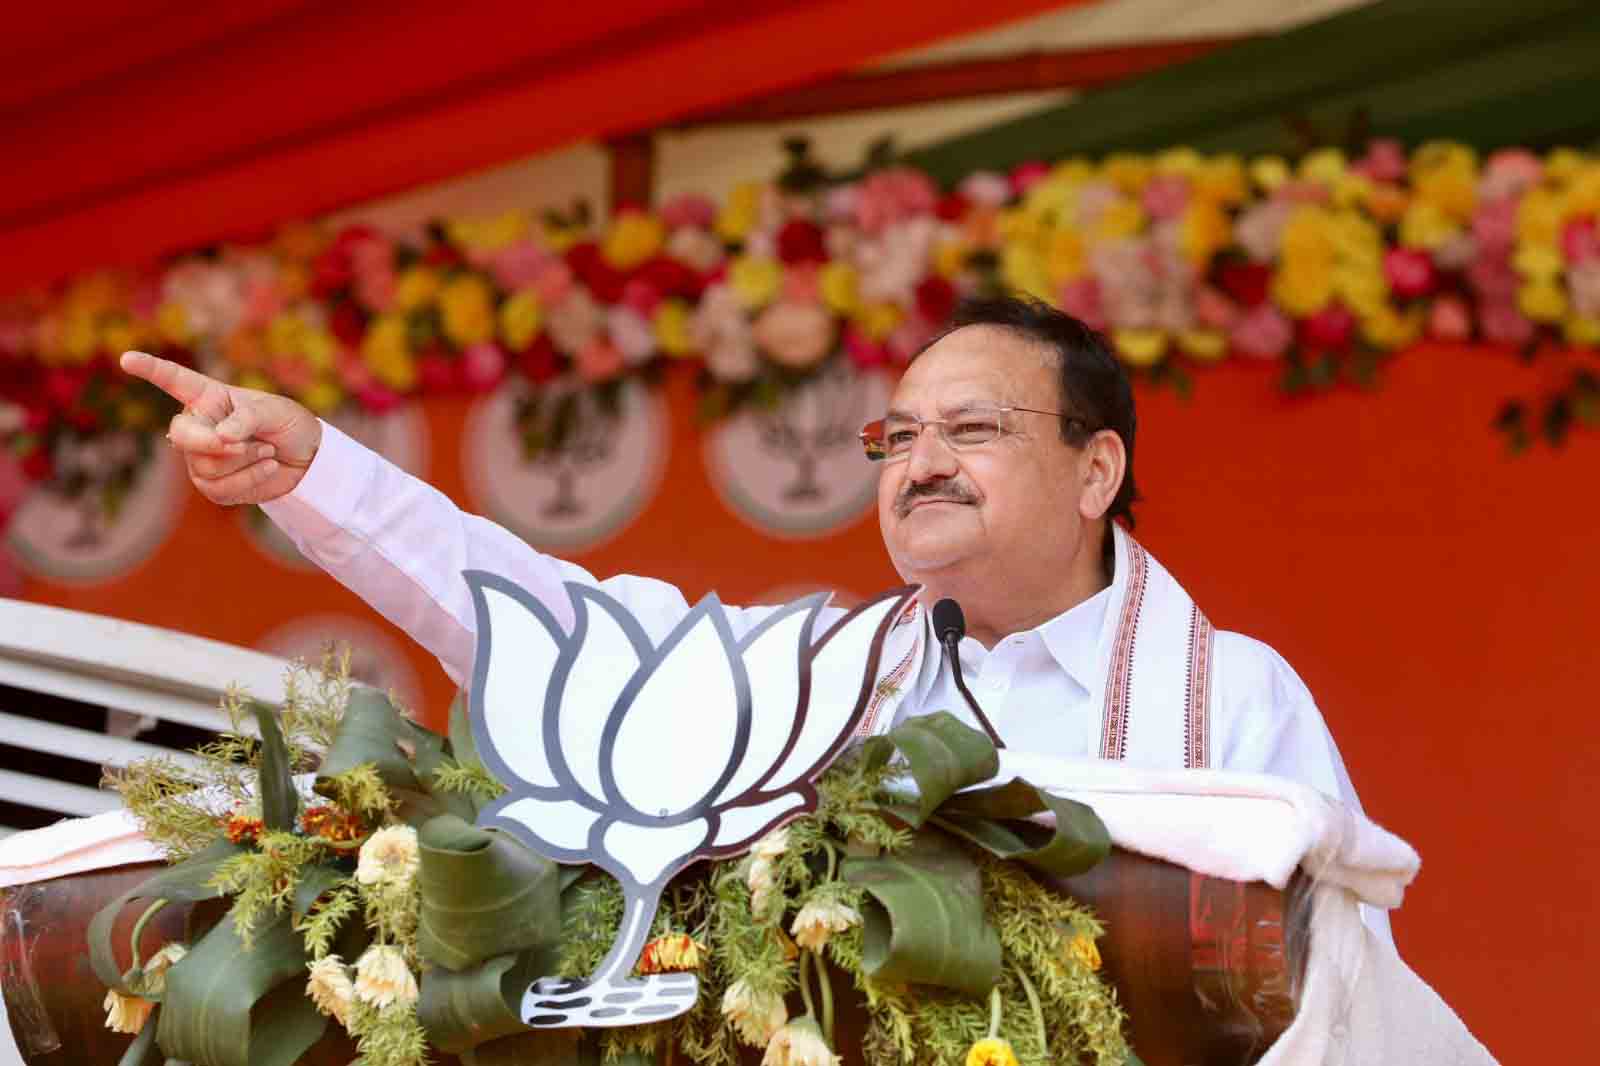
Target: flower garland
x=1322 y=265
x=412 y=929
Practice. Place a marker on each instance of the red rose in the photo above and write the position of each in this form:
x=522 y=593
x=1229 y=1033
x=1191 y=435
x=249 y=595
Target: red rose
x=936 y=299
x=348 y=324
x=436 y=371
x=539 y=361
x=1247 y=283
x=604 y=281
x=353 y=235
x=1328 y=330
x=801 y=241
x=331 y=272
x=1410 y=272
x=952 y=207
x=84 y=420
x=37 y=465
x=377 y=399
x=440 y=254
x=669 y=277
x=63 y=386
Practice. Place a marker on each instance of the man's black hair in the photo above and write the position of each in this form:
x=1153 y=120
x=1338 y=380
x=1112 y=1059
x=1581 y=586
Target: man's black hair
x=1094 y=388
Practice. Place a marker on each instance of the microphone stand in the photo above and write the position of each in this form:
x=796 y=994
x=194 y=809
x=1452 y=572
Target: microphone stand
x=952 y=626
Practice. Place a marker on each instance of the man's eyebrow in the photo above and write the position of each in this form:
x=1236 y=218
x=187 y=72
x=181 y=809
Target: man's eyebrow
x=895 y=412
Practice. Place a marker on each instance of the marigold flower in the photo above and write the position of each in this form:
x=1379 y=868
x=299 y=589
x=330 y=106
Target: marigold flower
x=992 y=1051
x=672 y=323
x=241 y=828
x=756 y=1017
x=520 y=318
x=467 y=309
x=800 y=1043
x=330 y=823
x=386 y=349
x=818 y=919
x=126 y=1014
x=416 y=288
x=382 y=977
x=633 y=238
x=331 y=989
x=389 y=856
x=675 y=951
x=1140 y=347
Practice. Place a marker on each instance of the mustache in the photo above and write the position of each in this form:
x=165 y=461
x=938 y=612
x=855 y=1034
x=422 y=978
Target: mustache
x=946 y=490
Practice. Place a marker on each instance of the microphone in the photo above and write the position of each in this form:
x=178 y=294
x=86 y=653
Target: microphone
x=950 y=625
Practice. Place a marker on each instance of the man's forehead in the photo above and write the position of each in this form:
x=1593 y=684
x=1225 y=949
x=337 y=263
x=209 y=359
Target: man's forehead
x=978 y=364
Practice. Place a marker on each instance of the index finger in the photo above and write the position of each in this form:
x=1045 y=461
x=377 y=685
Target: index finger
x=182 y=384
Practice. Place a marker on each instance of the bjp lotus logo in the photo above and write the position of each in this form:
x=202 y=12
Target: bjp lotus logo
x=642 y=757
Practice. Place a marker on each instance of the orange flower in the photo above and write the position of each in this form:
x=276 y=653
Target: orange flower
x=241 y=828
x=673 y=952
x=330 y=823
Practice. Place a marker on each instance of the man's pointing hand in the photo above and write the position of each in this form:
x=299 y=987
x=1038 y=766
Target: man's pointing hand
x=240 y=445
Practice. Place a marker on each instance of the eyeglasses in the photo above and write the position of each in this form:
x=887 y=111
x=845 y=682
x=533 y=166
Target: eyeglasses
x=891 y=439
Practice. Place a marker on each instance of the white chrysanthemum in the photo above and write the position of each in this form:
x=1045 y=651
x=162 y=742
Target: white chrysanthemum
x=330 y=988
x=800 y=1043
x=773 y=845
x=126 y=1014
x=819 y=920
x=389 y=856
x=760 y=882
x=156 y=967
x=382 y=977
x=756 y=1017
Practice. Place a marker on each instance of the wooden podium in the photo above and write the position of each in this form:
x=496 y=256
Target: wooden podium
x=1207 y=969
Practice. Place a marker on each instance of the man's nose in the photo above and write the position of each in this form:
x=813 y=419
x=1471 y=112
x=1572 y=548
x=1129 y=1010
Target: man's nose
x=930 y=458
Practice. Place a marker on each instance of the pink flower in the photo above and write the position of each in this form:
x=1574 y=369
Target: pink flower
x=1259 y=230
x=1456 y=252
x=890 y=196
x=482 y=366
x=688 y=209
x=1509 y=173
x=1493 y=278
x=1449 y=319
x=641 y=297
x=1166 y=196
x=519 y=265
x=377 y=399
x=263 y=300
x=1026 y=175
x=553 y=283
x=1263 y=332
x=599 y=360
x=894 y=262
x=1385 y=161
x=986 y=188
x=793 y=334
x=1081 y=300
x=573 y=322
x=1579 y=241
x=1410 y=272
x=1494 y=226
x=839 y=203
x=1330 y=329
x=800 y=284
x=908 y=338
x=1094 y=197
x=632 y=334
x=1583 y=281
x=353 y=372
x=1213 y=310
x=1302 y=192
x=1503 y=324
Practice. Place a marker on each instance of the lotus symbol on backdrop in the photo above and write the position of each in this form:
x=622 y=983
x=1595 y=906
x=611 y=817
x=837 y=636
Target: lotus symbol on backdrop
x=641 y=758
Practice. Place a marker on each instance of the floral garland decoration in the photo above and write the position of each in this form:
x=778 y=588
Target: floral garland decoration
x=413 y=930
x=1323 y=266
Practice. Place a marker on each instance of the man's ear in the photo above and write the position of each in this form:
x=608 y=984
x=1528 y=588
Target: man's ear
x=1103 y=464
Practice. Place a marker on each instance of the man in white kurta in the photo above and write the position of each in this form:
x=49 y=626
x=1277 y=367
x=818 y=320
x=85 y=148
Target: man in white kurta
x=1074 y=650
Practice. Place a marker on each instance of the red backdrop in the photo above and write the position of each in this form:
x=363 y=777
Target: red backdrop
x=1437 y=595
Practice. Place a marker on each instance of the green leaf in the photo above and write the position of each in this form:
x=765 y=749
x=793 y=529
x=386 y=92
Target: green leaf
x=484 y=894
x=280 y=803
x=462 y=1010
x=996 y=819
x=370 y=732
x=540 y=1047
x=923 y=920
x=312 y=884
x=462 y=745
x=943 y=754
x=221 y=995
x=183 y=882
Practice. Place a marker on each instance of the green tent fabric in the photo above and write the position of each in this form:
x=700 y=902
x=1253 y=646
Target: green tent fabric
x=1486 y=73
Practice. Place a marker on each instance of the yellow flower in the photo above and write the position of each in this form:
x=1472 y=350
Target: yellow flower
x=489 y=234
x=382 y=977
x=740 y=212
x=1129 y=173
x=672 y=953
x=839 y=284
x=1386 y=328
x=1542 y=301
x=633 y=238
x=323 y=396
x=1582 y=331
x=817 y=920
x=1269 y=172
x=559 y=234
x=1363 y=289
x=1023 y=269
x=1222 y=180
x=672 y=323
x=949 y=259
x=755 y=279
x=1352 y=190
x=389 y=856
x=800 y=1043
x=1203 y=232
x=1446 y=175
x=1583 y=194
x=255 y=379
x=755 y=1016
x=1066 y=261
x=1540 y=216
x=1122 y=218
x=1182 y=160
x=416 y=288
x=1563 y=164
x=467 y=307
x=172 y=323
x=1538 y=262
x=330 y=989
x=283 y=334
x=1425 y=225
x=126 y=1014
x=992 y=1051
x=1140 y=347
x=119 y=334
x=1310 y=236
x=1303 y=290
x=1084 y=950
x=80 y=339
x=1206 y=345
x=386 y=350
x=1324 y=166
x=878 y=320
x=520 y=318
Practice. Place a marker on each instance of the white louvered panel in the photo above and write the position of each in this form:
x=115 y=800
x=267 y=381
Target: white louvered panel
x=82 y=744
x=50 y=795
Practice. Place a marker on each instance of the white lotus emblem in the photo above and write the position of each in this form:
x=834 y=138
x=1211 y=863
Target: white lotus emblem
x=641 y=758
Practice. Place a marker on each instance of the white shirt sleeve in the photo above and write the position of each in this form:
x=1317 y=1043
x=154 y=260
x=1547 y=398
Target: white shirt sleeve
x=1271 y=725
x=401 y=545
